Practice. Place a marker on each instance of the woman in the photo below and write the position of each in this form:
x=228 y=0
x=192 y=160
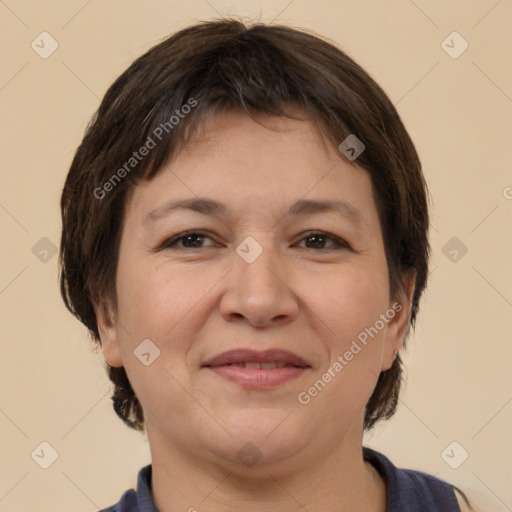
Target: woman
x=245 y=234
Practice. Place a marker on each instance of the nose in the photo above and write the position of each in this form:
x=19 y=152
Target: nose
x=259 y=291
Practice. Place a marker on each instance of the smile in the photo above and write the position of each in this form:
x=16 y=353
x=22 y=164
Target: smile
x=258 y=375
x=252 y=369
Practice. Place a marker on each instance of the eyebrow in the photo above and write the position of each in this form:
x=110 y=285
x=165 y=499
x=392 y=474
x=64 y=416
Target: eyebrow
x=206 y=206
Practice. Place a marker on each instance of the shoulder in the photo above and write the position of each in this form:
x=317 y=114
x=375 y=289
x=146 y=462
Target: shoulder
x=127 y=503
x=412 y=490
x=139 y=500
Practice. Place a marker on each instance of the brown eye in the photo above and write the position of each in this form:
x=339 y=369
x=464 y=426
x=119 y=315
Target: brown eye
x=195 y=239
x=319 y=238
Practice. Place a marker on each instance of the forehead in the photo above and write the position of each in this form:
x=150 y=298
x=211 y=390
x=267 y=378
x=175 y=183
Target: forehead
x=238 y=126
x=256 y=165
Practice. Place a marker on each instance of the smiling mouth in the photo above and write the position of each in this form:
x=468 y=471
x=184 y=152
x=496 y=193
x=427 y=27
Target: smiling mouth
x=249 y=358
x=255 y=375
x=257 y=370
x=256 y=365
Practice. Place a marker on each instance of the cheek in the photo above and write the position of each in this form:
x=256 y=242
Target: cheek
x=349 y=308
x=168 y=304
x=157 y=305
x=152 y=300
x=348 y=302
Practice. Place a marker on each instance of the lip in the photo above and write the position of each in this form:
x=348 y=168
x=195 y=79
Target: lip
x=253 y=356
x=225 y=365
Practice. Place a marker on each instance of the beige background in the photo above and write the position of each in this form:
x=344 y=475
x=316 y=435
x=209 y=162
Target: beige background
x=458 y=111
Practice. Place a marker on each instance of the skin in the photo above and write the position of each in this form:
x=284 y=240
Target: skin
x=302 y=295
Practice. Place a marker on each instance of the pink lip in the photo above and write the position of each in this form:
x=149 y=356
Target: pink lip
x=250 y=356
x=258 y=379
x=227 y=366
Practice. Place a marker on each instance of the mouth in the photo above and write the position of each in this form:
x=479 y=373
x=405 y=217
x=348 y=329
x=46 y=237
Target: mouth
x=257 y=370
x=260 y=365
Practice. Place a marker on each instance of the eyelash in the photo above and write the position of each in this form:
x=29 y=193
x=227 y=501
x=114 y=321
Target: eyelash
x=171 y=242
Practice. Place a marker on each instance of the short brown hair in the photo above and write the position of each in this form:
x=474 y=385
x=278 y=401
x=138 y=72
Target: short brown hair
x=262 y=69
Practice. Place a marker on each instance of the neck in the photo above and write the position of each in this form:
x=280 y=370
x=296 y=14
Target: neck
x=338 y=480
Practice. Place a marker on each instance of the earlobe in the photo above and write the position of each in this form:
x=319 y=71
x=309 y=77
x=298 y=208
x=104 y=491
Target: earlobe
x=108 y=335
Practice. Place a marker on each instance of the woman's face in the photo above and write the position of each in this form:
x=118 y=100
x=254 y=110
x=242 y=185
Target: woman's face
x=254 y=278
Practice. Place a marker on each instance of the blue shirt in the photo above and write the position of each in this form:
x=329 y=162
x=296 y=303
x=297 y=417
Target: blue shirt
x=407 y=490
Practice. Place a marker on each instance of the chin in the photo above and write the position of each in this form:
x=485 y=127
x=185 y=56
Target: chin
x=258 y=442
x=258 y=458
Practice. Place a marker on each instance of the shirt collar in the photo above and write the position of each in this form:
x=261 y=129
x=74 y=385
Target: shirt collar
x=144 y=497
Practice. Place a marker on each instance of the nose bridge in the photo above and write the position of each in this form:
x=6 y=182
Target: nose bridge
x=258 y=259
x=258 y=288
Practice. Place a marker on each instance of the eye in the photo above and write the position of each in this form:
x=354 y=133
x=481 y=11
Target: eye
x=195 y=239
x=319 y=237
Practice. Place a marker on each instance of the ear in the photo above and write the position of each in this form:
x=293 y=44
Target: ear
x=398 y=326
x=108 y=334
